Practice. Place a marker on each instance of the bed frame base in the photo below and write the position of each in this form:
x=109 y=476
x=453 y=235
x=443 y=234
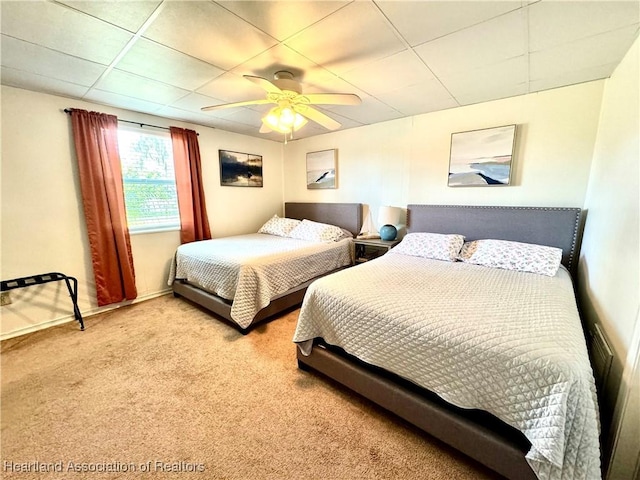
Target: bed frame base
x=222 y=307
x=474 y=433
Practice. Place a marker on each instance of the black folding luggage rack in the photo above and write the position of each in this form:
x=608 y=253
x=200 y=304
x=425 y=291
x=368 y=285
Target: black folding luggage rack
x=72 y=286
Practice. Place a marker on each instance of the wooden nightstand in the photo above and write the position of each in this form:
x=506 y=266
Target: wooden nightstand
x=370 y=248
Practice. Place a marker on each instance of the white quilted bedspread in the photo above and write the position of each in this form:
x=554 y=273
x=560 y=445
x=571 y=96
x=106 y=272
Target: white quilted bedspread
x=506 y=342
x=252 y=269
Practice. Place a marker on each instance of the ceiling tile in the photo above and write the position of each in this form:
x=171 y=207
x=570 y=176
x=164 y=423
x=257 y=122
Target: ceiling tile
x=556 y=23
x=491 y=93
x=501 y=80
x=151 y=60
x=390 y=73
x=215 y=35
x=210 y=121
x=420 y=22
x=487 y=79
x=194 y=103
x=345 y=122
x=488 y=43
x=131 y=85
x=320 y=80
x=424 y=97
x=292 y=16
x=60 y=28
x=121 y=101
x=32 y=58
x=309 y=130
x=254 y=132
x=572 y=78
x=370 y=111
x=247 y=116
x=231 y=88
x=189 y=116
x=582 y=54
x=247 y=129
x=38 y=83
x=279 y=57
x=129 y=14
x=344 y=40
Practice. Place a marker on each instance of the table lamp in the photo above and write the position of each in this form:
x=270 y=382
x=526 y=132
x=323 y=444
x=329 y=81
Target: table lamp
x=388 y=218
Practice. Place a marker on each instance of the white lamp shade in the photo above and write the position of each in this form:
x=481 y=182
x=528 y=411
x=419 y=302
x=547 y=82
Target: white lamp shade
x=388 y=216
x=283 y=120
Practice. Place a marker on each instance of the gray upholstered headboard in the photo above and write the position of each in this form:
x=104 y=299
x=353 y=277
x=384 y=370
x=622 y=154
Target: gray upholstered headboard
x=344 y=215
x=555 y=227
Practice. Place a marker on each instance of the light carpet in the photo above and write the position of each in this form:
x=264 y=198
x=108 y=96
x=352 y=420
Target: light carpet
x=162 y=389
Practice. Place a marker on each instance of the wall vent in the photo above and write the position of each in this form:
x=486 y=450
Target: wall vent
x=601 y=357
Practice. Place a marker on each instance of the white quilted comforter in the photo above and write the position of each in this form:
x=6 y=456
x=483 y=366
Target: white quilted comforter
x=506 y=342
x=250 y=270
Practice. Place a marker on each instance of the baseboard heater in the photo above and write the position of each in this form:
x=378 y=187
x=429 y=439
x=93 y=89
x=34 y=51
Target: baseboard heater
x=601 y=357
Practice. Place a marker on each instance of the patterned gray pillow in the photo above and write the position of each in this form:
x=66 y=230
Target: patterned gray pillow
x=431 y=245
x=317 y=232
x=523 y=257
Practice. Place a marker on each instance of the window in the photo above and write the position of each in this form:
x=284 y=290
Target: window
x=149 y=180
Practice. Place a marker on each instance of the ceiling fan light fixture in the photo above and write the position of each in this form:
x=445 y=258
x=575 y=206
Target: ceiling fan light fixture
x=292 y=109
x=284 y=120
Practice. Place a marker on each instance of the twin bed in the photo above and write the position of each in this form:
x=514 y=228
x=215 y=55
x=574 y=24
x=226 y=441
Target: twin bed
x=492 y=361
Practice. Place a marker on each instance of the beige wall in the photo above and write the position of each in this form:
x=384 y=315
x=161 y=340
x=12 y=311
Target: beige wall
x=609 y=259
x=43 y=227
x=609 y=270
x=407 y=160
x=393 y=163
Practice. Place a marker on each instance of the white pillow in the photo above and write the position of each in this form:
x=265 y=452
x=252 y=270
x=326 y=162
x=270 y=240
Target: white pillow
x=523 y=257
x=431 y=245
x=317 y=232
x=279 y=226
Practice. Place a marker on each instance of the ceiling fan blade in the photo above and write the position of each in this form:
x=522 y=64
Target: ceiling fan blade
x=236 y=104
x=333 y=98
x=264 y=83
x=265 y=129
x=317 y=116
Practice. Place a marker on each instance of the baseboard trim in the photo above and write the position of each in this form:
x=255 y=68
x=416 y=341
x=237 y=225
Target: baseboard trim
x=85 y=314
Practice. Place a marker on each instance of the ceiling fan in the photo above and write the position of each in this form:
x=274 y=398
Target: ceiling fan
x=293 y=108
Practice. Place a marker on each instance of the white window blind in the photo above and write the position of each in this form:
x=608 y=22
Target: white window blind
x=149 y=180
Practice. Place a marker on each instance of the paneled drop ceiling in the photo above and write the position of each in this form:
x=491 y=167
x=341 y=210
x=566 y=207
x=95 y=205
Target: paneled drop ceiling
x=170 y=58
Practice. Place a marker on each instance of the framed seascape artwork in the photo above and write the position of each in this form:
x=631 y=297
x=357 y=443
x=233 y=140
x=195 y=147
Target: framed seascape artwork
x=482 y=157
x=240 y=169
x=321 y=169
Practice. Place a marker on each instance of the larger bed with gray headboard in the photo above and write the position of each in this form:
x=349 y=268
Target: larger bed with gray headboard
x=490 y=360
x=246 y=279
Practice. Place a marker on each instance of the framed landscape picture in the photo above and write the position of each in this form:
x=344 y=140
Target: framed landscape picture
x=240 y=169
x=482 y=157
x=321 y=169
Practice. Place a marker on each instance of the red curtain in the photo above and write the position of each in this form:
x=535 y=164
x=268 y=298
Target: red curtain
x=96 y=139
x=191 y=204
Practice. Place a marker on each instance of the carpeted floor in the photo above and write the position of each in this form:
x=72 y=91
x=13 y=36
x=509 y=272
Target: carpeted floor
x=162 y=389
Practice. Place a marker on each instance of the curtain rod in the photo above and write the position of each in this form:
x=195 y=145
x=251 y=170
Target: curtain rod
x=69 y=110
